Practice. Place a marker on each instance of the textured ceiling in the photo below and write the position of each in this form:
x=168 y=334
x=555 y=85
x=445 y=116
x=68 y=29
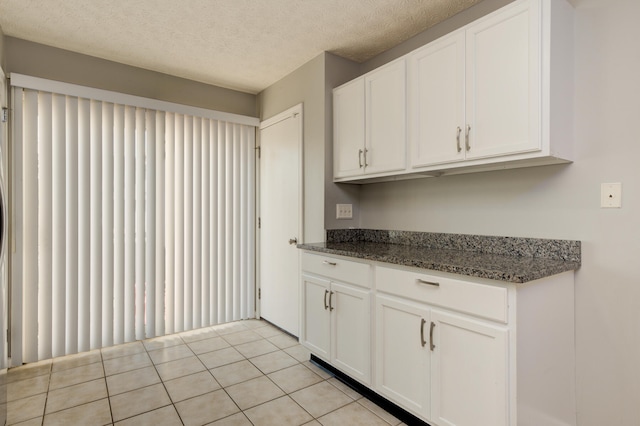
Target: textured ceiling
x=240 y=44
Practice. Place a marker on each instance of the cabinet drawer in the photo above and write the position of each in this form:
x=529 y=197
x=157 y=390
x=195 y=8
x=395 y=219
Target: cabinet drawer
x=473 y=298
x=337 y=269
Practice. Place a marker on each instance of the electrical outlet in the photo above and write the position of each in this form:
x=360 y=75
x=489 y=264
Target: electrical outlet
x=344 y=211
x=611 y=195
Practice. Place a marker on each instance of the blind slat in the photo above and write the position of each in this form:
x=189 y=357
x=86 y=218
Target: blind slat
x=107 y=223
x=205 y=220
x=72 y=228
x=140 y=225
x=196 y=250
x=45 y=231
x=188 y=234
x=169 y=234
x=179 y=283
x=129 y=224
x=58 y=213
x=30 y=232
x=118 y=225
x=160 y=224
x=84 y=222
x=95 y=172
x=222 y=213
x=150 y=222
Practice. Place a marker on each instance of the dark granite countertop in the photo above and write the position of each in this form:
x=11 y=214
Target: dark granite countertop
x=501 y=267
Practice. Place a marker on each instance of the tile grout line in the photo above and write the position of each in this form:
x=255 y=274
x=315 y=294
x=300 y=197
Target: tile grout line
x=106 y=386
x=46 y=398
x=162 y=381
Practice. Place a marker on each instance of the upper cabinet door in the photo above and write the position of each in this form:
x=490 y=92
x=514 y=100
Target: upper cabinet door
x=386 y=119
x=503 y=82
x=436 y=74
x=348 y=129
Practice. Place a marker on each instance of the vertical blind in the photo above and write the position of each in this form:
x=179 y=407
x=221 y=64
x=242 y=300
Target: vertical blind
x=129 y=223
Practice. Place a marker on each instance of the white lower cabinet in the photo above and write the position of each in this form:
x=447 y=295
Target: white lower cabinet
x=351 y=330
x=439 y=366
x=451 y=350
x=316 y=329
x=468 y=371
x=336 y=315
x=402 y=354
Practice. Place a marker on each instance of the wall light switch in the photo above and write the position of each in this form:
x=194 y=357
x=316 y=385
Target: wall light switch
x=344 y=211
x=611 y=195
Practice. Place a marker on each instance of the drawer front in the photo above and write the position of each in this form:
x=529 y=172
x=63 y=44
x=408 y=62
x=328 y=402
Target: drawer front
x=473 y=298
x=337 y=269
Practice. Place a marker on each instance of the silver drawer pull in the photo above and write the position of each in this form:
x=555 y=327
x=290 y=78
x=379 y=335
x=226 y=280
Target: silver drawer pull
x=466 y=138
x=419 y=281
x=326 y=262
x=432 y=345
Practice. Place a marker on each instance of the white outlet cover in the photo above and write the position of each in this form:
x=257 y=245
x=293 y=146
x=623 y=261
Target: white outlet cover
x=344 y=211
x=611 y=195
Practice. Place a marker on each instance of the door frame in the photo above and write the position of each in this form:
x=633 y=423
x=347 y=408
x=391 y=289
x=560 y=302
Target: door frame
x=290 y=112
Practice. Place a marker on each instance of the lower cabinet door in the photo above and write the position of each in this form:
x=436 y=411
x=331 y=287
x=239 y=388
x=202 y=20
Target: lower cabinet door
x=402 y=353
x=469 y=372
x=351 y=331
x=316 y=324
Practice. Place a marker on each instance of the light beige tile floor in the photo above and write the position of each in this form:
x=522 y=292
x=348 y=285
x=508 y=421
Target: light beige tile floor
x=241 y=373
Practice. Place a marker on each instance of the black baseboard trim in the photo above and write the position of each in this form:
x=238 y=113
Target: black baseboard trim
x=399 y=413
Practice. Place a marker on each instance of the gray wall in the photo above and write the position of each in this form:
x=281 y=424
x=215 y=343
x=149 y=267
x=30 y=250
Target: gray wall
x=461 y=19
x=311 y=84
x=562 y=202
x=25 y=57
x=337 y=72
x=2 y=56
x=304 y=85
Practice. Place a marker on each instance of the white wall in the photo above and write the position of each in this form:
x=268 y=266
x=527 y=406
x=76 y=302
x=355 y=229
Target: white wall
x=563 y=202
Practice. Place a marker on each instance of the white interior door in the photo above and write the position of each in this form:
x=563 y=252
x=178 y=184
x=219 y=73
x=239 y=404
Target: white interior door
x=280 y=218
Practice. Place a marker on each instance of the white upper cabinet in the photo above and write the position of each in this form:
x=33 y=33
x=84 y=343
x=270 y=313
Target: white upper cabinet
x=495 y=94
x=370 y=124
x=348 y=129
x=386 y=119
x=503 y=83
x=436 y=74
x=476 y=92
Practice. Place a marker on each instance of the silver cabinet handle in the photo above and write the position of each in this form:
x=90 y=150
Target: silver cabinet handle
x=422 y=341
x=431 y=344
x=360 y=158
x=458 y=131
x=435 y=284
x=325 y=300
x=293 y=240
x=326 y=262
x=330 y=306
x=466 y=138
x=365 y=157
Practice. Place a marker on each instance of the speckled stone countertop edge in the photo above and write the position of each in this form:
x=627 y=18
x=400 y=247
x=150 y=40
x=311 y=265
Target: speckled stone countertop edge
x=511 y=269
x=565 y=250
